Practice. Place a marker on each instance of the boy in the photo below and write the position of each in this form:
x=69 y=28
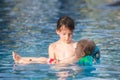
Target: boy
x=65 y=46
x=60 y=50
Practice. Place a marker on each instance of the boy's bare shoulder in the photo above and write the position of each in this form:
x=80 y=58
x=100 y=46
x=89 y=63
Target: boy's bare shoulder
x=53 y=45
x=75 y=44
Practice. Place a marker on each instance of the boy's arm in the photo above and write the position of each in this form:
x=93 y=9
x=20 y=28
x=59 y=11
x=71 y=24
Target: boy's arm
x=69 y=60
x=51 y=51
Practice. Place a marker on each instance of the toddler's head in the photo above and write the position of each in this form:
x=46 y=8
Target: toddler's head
x=85 y=47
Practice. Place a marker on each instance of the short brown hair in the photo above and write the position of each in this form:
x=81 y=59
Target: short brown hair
x=67 y=22
x=87 y=46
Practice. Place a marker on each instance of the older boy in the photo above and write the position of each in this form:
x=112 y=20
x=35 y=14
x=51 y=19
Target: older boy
x=61 y=49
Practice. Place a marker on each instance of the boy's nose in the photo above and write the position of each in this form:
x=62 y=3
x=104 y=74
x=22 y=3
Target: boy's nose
x=67 y=37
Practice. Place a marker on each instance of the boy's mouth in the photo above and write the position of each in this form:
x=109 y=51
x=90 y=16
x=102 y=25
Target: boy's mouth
x=67 y=42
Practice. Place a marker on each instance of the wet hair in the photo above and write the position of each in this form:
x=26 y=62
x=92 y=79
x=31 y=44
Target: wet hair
x=67 y=22
x=86 y=46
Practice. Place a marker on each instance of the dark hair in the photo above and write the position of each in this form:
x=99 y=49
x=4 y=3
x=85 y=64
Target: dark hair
x=67 y=22
x=87 y=46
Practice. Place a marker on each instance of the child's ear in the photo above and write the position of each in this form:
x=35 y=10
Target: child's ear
x=57 y=31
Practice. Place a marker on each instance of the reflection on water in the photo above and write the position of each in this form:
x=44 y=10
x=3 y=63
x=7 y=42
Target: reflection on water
x=28 y=27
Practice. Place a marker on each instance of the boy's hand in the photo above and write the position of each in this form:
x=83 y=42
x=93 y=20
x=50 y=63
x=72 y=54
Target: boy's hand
x=55 y=62
x=52 y=61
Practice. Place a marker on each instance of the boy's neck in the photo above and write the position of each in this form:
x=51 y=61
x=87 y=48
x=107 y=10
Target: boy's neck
x=65 y=42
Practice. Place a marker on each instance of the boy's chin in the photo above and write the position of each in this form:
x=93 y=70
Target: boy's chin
x=67 y=42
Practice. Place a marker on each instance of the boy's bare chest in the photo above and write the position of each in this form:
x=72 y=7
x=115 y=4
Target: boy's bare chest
x=63 y=52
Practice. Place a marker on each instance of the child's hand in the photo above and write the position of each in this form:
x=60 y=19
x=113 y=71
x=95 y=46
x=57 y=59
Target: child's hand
x=55 y=62
x=52 y=61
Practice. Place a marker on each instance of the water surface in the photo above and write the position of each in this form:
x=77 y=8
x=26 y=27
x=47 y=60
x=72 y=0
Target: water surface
x=28 y=27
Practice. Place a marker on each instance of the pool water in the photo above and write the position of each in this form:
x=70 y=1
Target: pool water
x=28 y=27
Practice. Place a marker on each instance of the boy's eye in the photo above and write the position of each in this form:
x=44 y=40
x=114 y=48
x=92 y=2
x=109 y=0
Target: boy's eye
x=67 y=34
x=70 y=34
x=64 y=34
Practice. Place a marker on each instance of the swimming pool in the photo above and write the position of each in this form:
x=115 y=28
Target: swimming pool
x=28 y=27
